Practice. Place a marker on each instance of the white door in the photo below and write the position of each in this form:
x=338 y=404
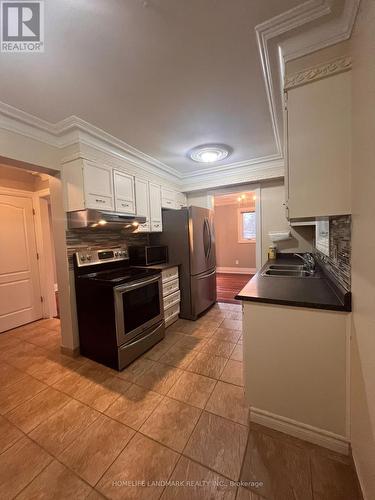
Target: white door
x=20 y=300
x=155 y=207
x=98 y=183
x=142 y=204
x=124 y=192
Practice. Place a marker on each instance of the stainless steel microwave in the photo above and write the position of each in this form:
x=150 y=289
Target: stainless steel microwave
x=150 y=255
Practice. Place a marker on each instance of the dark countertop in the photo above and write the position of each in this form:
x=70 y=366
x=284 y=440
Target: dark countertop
x=161 y=267
x=318 y=292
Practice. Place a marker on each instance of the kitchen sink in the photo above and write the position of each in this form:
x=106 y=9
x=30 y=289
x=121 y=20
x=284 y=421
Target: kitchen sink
x=288 y=267
x=289 y=273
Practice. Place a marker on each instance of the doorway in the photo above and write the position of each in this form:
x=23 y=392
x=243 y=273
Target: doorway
x=237 y=245
x=27 y=262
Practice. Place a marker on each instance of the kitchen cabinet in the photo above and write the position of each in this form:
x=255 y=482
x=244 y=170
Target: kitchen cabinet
x=155 y=207
x=171 y=295
x=142 y=198
x=181 y=200
x=97 y=186
x=88 y=185
x=168 y=198
x=124 y=192
x=296 y=371
x=318 y=118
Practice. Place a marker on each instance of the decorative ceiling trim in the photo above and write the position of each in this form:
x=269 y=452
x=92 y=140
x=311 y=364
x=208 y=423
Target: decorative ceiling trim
x=231 y=166
x=317 y=72
x=272 y=28
x=329 y=33
x=334 y=31
x=72 y=130
x=241 y=175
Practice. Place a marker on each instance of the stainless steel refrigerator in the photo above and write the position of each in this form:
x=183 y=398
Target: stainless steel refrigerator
x=190 y=236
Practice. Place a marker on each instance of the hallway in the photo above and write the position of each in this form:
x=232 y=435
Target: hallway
x=229 y=284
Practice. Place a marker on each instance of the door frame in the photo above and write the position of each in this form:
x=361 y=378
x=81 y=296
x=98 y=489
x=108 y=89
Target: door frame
x=47 y=310
x=254 y=188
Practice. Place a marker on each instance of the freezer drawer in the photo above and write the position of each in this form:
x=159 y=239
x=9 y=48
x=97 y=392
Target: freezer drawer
x=203 y=292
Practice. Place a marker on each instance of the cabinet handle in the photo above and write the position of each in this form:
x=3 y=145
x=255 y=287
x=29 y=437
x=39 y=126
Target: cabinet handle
x=99 y=201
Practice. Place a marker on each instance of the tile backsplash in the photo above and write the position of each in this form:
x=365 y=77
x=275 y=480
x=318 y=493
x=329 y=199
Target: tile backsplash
x=338 y=263
x=103 y=238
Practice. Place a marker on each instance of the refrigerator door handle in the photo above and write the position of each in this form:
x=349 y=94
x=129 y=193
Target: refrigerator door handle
x=207 y=275
x=209 y=239
x=206 y=235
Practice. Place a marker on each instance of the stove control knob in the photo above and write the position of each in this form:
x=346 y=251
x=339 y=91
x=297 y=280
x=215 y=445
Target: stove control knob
x=83 y=258
x=88 y=257
x=116 y=254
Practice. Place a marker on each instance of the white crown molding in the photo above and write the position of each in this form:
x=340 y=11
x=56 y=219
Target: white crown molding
x=317 y=72
x=272 y=28
x=324 y=35
x=247 y=173
x=73 y=130
x=335 y=31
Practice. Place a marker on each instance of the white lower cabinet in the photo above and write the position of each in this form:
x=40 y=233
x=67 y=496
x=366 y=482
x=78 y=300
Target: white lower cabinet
x=171 y=295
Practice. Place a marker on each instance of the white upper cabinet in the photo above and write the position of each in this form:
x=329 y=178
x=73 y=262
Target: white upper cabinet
x=142 y=197
x=124 y=192
x=319 y=147
x=155 y=207
x=168 y=198
x=98 y=186
x=181 y=200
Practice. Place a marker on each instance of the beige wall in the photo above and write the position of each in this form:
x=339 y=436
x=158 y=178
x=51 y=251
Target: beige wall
x=228 y=250
x=363 y=248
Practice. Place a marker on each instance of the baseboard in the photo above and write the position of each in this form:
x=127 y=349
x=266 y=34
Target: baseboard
x=236 y=270
x=359 y=477
x=314 y=435
x=73 y=353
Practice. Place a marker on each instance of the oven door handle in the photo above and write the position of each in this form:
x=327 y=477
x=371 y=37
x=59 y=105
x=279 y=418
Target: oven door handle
x=124 y=288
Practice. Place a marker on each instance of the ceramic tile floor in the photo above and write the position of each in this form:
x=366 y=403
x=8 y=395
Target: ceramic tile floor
x=71 y=428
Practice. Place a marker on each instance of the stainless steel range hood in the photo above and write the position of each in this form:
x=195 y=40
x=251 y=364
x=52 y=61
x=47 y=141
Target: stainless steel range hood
x=100 y=219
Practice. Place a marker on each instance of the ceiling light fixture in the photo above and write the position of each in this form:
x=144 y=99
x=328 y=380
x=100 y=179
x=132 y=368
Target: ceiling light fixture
x=209 y=153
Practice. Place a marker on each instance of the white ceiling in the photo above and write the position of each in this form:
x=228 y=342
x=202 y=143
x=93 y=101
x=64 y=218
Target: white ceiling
x=163 y=77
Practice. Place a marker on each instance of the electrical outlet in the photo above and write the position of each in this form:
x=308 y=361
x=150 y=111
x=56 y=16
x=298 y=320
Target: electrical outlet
x=237 y=262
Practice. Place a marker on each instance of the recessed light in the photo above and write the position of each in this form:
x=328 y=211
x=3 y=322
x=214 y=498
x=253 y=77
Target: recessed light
x=210 y=153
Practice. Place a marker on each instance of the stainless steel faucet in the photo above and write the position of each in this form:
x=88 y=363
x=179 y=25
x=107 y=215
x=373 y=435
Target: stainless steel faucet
x=308 y=261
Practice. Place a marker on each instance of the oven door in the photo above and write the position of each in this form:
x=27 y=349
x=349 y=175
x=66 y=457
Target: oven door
x=138 y=305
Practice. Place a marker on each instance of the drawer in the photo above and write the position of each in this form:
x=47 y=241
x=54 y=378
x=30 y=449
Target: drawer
x=171 y=312
x=170 y=287
x=171 y=299
x=97 y=201
x=125 y=206
x=169 y=274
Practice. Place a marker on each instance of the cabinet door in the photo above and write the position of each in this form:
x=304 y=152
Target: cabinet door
x=181 y=201
x=124 y=192
x=142 y=204
x=98 y=186
x=168 y=198
x=319 y=147
x=155 y=203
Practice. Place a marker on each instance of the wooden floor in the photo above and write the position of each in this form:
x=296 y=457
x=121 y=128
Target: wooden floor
x=228 y=285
